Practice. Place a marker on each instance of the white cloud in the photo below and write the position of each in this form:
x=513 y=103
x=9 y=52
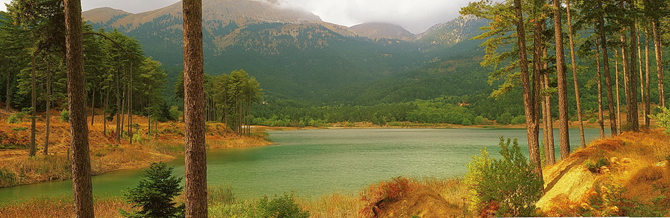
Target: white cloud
x=415 y=15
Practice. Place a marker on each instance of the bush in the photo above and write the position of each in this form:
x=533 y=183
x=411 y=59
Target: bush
x=17 y=117
x=64 y=115
x=503 y=187
x=662 y=118
x=280 y=207
x=155 y=194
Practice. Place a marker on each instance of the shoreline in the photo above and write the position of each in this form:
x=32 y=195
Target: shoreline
x=107 y=155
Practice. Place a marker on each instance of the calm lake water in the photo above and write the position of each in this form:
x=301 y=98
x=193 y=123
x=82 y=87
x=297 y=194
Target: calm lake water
x=316 y=162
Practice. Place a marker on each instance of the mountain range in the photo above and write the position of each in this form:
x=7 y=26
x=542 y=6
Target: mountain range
x=292 y=53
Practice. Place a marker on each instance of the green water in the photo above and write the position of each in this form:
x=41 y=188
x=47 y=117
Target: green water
x=317 y=162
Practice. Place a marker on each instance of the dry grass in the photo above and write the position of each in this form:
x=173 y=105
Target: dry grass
x=48 y=207
x=333 y=205
x=634 y=182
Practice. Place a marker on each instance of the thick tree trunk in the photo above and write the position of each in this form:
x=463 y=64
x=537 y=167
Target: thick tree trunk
x=81 y=165
x=574 y=76
x=530 y=95
x=608 y=79
x=563 y=115
x=194 y=108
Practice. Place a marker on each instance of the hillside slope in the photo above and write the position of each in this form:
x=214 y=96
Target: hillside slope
x=628 y=175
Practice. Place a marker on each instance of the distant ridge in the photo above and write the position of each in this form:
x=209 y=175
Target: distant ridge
x=382 y=30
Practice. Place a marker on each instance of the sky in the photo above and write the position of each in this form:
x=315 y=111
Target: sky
x=414 y=15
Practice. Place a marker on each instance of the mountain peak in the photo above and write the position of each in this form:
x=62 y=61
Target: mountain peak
x=240 y=11
x=377 y=30
x=105 y=14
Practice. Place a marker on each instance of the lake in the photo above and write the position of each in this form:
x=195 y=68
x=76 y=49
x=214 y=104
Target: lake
x=316 y=162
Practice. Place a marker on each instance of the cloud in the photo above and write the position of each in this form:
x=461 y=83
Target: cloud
x=414 y=15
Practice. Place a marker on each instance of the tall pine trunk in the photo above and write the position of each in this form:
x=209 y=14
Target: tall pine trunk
x=81 y=165
x=631 y=99
x=130 y=104
x=574 y=75
x=641 y=77
x=194 y=108
x=647 y=88
x=48 y=112
x=530 y=94
x=658 y=50
x=33 y=147
x=606 y=67
x=8 y=100
x=617 y=85
x=601 y=121
x=563 y=119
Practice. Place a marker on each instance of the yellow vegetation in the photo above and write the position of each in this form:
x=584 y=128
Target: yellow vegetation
x=634 y=175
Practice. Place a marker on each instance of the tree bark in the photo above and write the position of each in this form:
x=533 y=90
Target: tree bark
x=647 y=88
x=118 y=108
x=130 y=103
x=92 y=106
x=81 y=165
x=563 y=119
x=617 y=85
x=8 y=96
x=194 y=108
x=33 y=148
x=601 y=121
x=631 y=100
x=574 y=75
x=608 y=79
x=658 y=50
x=530 y=95
x=48 y=112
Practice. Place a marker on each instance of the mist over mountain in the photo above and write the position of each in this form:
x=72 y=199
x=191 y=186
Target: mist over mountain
x=293 y=54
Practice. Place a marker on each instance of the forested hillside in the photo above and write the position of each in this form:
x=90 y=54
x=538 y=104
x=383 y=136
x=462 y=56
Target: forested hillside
x=295 y=57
